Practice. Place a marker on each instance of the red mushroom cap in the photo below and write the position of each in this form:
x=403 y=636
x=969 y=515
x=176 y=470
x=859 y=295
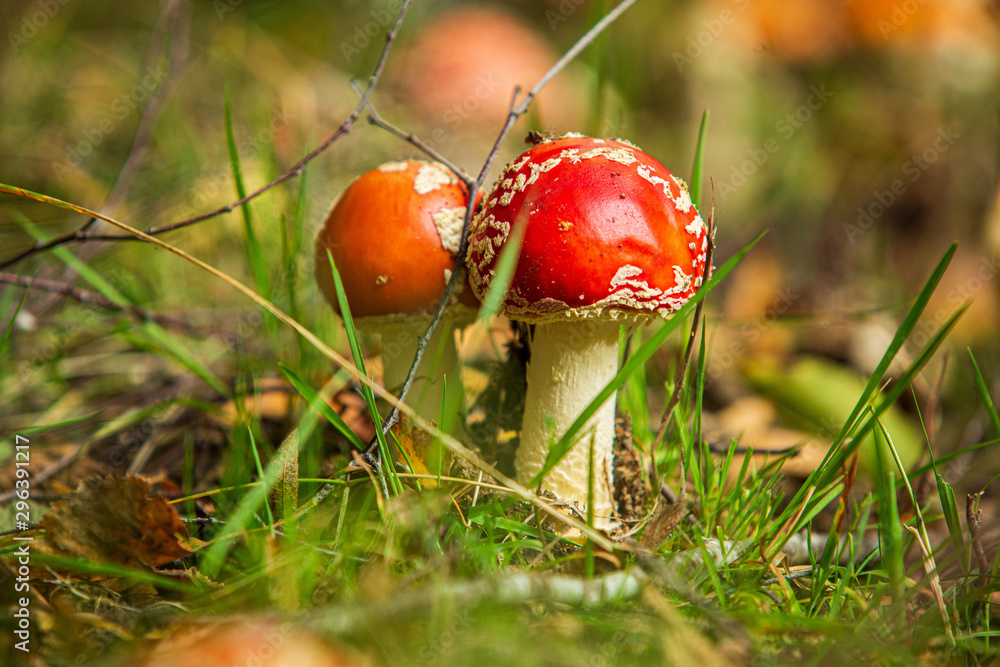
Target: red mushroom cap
x=392 y=234
x=609 y=233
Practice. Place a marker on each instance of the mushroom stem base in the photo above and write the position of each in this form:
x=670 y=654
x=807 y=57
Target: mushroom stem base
x=571 y=362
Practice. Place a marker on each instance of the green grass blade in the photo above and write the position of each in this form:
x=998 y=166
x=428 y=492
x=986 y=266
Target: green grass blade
x=831 y=466
x=168 y=341
x=322 y=407
x=13 y=319
x=241 y=518
x=42 y=428
x=359 y=362
x=838 y=453
x=96 y=280
x=285 y=493
x=699 y=159
x=902 y=333
x=991 y=410
x=951 y=456
x=254 y=251
x=638 y=358
x=504 y=274
x=260 y=475
x=890 y=530
x=109 y=569
x=897 y=390
x=949 y=508
x=345 y=314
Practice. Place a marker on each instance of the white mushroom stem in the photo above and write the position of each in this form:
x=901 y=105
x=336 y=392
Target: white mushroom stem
x=571 y=362
x=399 y=347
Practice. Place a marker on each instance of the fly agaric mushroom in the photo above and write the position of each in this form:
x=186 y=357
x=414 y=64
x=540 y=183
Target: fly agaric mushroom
x=610 y=237
x=393 y=234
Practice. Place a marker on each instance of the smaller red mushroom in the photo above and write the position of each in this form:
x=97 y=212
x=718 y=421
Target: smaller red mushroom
x=610 y=237
x=393 y=234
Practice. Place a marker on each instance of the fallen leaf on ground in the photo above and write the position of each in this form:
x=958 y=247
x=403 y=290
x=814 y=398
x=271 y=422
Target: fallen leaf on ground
x=112 y=519
x=426 y=457
x=284 y=495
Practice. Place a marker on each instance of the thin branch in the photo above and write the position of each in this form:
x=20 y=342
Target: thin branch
x=172 y=14
x=974 y=517
x=93 y=299
x=82 y=234
x=378 y=120
x=680 y=377
x=453 y=445
x=517 y=110
x=506 y=589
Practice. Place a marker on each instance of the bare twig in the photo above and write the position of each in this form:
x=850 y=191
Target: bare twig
x=517 y=588
x=453 y=445
x=935 y=581
x=517 y=110
x=680 y=377
x=93 y=299
x=82 y=234
x=378 y=120
x=974 y=517
x=173 y=18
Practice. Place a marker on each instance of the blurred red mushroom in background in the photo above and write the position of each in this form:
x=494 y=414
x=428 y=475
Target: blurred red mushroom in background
x=243 y=641
x=459 y=72
x=800 y=31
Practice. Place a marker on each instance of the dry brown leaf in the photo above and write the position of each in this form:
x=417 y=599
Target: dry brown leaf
x=666 y=517
x=112 y=519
